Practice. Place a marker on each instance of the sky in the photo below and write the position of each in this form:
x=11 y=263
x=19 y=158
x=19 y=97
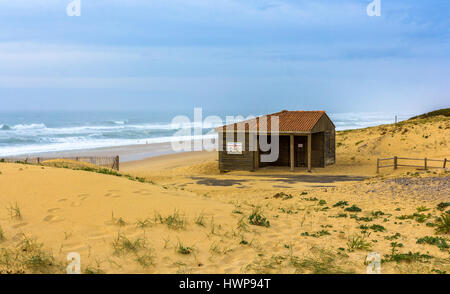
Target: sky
x=246 y=56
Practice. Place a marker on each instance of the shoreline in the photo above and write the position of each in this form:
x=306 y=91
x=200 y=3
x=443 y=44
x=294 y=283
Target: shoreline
x=126 y=153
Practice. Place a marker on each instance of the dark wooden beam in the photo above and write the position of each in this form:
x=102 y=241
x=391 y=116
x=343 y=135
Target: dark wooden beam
x=291 y=149
x=309 y=152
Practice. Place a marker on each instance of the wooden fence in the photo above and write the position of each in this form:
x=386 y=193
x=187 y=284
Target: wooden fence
x=425 y=163
x=103 y=161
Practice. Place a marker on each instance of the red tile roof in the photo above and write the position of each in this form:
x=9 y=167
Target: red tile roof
x=289 y=121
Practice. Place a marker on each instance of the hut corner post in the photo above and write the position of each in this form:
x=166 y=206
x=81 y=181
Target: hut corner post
x=309 y=152
x=292 y=152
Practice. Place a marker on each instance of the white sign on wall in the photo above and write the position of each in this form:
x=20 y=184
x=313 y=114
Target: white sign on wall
x=234 y=147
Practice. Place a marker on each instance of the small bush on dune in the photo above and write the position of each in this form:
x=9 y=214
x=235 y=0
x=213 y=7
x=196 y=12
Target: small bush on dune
x=443 y=205
x=258 y=219
x=340 y=204
x=353 y=208
x=14 y=211
x=185 y=250
x=440 y=242
x=358 y=242
x=175 y=221
x=443 y=224
x=282 y=195
x=122 y=245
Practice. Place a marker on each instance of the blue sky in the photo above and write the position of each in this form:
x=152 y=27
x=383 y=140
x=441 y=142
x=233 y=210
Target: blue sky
x=247 y=56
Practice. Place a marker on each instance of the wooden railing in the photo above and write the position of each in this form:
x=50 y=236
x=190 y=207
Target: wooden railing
x=427 y=162
x=111 y=162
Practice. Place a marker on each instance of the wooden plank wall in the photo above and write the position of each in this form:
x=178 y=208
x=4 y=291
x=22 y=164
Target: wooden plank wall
x=228 y=162
x=330 y=147
x=317 y=150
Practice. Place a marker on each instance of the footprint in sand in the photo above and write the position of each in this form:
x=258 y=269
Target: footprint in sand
x=98 y=236
x=74 y=247
x=52 y=219
x=83 y=196
x=75 y=204
x=51 y=210
x=19 y=225
x=107 y=194
x=62 y=200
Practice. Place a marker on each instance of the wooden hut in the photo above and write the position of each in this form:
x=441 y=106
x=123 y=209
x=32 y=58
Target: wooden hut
x=306 y=139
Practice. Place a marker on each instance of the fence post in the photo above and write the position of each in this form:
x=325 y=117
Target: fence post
x=117 y=162
x=445 y=162
x=378 y=165
x=395 y=162
x=425 y=163
x=38 y=160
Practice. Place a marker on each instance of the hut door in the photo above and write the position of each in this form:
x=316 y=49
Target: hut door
x=301 y=150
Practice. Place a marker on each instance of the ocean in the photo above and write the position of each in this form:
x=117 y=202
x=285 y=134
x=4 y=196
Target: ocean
x=29 y=133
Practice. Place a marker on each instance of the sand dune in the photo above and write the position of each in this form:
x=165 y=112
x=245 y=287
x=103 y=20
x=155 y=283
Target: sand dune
x=185 y=217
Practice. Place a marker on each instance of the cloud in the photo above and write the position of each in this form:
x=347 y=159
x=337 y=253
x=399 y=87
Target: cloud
x=233 y=49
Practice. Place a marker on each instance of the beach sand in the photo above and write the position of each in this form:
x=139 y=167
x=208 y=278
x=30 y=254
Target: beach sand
x=177 y=214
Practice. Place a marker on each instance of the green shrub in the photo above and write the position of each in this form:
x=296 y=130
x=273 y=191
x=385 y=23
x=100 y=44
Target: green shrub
x=258 y=219
x=353 y=208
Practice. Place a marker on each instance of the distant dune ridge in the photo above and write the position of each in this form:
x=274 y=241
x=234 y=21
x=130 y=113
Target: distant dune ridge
x=441 y=112
x=178 y=214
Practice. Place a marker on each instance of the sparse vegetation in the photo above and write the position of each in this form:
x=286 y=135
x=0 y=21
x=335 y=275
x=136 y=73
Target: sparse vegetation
x=93 y=271
x=377 y=213
x=175 y=221
x=443 y=224
x=404 y=257
x=28 y=256
x=443 y=205
x=443 y=112
x=440 y=242
x=258 y=219
x=358 y=242
x=2 y=235
x=143 y=223
x=418 y=217
x=282 y=195
x=185 y=250
x=200 y=220
x=393 y=237
x=122 y=245
x=14 y=211
x=316 y=234
x=353 y=208
x=320 y=261
x=145 y=260
x=422 y=209
x=340 y=204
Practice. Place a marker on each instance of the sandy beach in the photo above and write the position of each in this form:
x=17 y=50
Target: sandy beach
x=175 y=213
x=126 y=153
